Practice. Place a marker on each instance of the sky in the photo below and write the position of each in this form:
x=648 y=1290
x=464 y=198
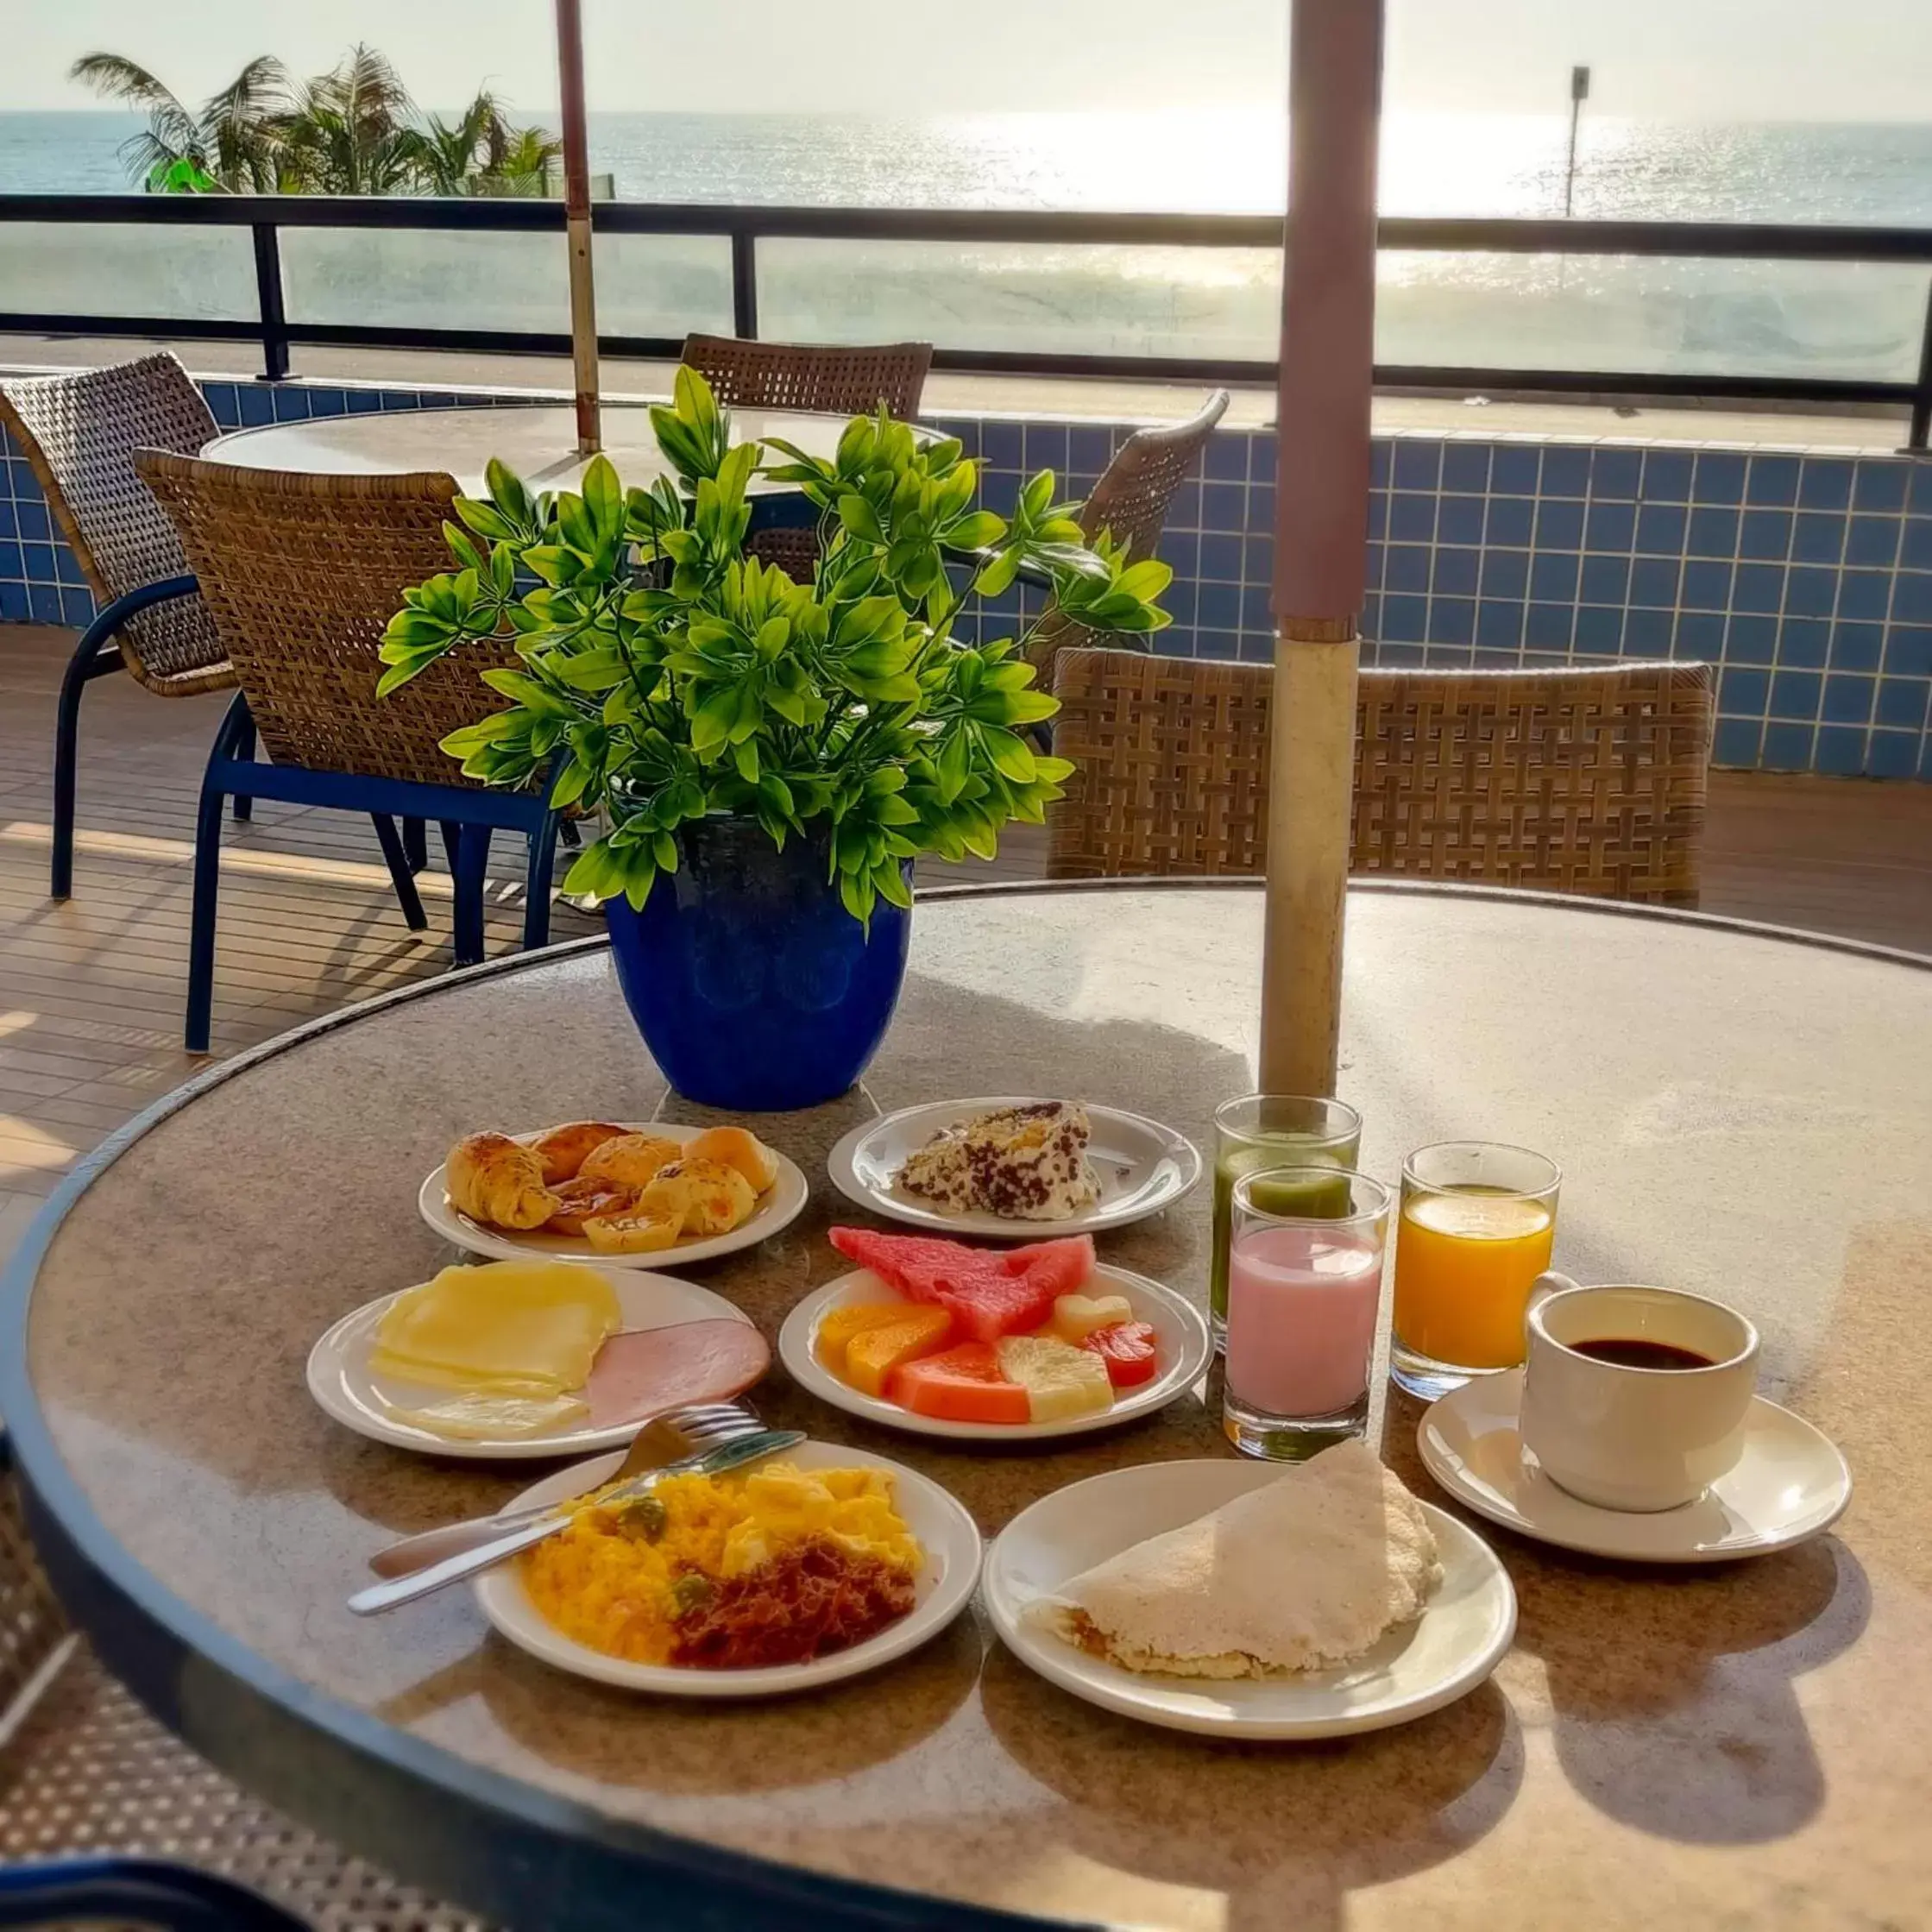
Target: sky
x=1668 y=60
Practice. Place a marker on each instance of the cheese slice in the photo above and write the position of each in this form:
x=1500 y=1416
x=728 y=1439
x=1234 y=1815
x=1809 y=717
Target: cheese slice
x=506 y=1328
x=495 y=1418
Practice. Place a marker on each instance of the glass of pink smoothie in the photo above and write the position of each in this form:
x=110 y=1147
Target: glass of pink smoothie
x=1304 y=1300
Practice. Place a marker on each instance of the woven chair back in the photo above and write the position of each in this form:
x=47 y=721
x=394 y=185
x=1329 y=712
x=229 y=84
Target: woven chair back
x=303 y=573
x=1584 y=780
x=1130 y=502
x=79 y=433
x=830 y=378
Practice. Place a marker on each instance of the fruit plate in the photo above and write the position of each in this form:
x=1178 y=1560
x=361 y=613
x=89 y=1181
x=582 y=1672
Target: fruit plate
x=778 y=1207
x=1181 y=1342
x=342 y=1384
x=1142 y=1166
x=946 y=1532
x=1461 y=1636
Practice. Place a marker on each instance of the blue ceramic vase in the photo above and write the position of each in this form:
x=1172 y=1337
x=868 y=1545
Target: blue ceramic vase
x=753 y=987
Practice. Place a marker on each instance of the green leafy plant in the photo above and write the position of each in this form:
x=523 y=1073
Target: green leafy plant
x=666 y=675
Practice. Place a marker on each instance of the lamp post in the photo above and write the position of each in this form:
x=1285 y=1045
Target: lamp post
x=576 y=224
x=1328 y=313
x=1579 y=93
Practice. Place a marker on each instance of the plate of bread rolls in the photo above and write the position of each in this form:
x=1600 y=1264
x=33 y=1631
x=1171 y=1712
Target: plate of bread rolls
x=623 y=1196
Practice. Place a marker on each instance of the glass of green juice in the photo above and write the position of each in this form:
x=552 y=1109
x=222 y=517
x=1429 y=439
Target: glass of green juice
x=1277 y=1131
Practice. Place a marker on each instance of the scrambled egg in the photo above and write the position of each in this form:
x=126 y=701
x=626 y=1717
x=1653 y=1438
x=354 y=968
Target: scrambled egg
x=611 y=1580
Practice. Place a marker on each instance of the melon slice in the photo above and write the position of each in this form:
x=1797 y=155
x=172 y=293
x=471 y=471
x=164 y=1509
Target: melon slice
x=874 y=1353
x=838 y=1327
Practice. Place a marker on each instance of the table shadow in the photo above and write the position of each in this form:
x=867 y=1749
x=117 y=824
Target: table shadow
x=1687 y=1724
x=691 y=1747
x=1264 y=1823
x=1672 y=1687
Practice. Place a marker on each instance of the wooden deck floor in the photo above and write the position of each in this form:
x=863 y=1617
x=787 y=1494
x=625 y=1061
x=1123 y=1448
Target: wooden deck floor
x=91 y=991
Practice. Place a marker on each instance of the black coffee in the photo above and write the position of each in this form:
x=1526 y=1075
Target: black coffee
x=1636 y=1353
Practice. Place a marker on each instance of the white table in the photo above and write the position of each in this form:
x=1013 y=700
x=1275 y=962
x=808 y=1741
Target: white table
x=538 y=443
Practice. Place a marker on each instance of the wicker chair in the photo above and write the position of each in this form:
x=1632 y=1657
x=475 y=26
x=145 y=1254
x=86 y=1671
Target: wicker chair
x=1130 y=501
x=1589 y=780
x=97 y=1800
x=829 y=380
x=302 y=574
x=79 y=433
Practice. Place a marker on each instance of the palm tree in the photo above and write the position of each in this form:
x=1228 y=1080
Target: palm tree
x=346 y=130
x=230 y=144
x=480 y=153
x=353 y=130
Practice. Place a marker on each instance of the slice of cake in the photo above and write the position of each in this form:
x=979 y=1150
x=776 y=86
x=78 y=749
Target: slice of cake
x=1026 y=1163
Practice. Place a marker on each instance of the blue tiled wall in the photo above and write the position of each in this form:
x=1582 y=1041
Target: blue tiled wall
x=1805 y=577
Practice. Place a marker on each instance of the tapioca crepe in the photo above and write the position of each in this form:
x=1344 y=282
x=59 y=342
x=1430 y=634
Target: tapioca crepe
x=1306 y=1572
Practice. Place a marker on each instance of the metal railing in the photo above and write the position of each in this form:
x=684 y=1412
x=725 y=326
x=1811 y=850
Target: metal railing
x=743 y=228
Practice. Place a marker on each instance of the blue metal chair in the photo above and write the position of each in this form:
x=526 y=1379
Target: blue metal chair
x=135 y=1891
x=301 y=574
x=79 y=433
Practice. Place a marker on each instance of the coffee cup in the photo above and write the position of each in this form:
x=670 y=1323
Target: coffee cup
x=1635 y=1397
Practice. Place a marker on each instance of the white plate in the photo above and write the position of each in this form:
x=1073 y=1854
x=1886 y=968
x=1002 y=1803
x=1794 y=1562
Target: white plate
x=778 y=1207
x=948 y=1533
x=1143 y=1168
x=340 y=1380
x=1180 y=1340
x=1461 y=1635
x=1790 y=1483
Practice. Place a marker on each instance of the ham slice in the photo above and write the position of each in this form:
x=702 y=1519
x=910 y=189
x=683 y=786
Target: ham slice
x=645 y=1371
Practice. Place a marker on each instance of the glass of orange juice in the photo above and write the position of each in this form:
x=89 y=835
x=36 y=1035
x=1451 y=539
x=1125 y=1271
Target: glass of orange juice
x=1474 y=1231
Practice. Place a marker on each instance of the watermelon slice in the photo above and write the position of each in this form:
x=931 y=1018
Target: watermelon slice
x=990 y=1292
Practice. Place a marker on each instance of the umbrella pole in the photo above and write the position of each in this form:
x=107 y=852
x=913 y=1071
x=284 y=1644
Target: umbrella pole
x=577 y=222
x=1328 y=311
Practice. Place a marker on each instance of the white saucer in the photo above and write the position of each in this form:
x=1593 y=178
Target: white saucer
x=946 y=1532
x=1462 y=1632
x=1790 y=1483
x=1141 y=1167
x=1180 y=1336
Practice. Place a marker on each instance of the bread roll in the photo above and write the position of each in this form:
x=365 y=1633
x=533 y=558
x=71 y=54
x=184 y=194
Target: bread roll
x=736 y=1146
x=707 y=1197
x=564 y=1149
x=491 y=1178
x=583 y=1200
x=630 y=1161
x=631 y=1232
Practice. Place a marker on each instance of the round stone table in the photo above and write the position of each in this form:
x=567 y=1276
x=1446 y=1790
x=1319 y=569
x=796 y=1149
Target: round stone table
x=537 y=441
x=1737 y=1111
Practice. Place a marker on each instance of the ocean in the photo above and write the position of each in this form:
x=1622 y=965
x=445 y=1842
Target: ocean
x=1470 y=311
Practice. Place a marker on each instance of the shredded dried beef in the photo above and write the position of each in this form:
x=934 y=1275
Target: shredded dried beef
x=808 y=1602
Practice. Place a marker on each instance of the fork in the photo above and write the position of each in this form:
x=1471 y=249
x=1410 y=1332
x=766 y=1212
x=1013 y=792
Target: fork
x=714 y=1461
x=666 y=1438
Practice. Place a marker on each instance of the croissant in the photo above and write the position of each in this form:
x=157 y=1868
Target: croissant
x=492 y=1178
x=564 y=1149
x=630 y=1161
x=707 y=1197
